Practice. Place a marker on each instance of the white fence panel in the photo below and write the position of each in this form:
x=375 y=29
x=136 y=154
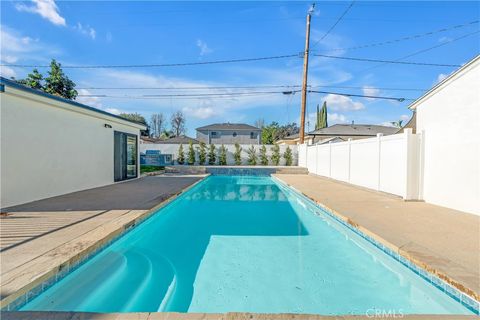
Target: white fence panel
x=390 y=164
x=340 y=159
x=166 y=148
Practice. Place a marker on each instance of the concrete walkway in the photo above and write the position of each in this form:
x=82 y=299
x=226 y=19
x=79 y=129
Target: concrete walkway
x=443 y=241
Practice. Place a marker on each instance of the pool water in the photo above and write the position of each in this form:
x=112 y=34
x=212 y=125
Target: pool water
x=243 y=244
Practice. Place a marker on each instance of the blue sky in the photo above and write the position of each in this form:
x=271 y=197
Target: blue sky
x=124 y=32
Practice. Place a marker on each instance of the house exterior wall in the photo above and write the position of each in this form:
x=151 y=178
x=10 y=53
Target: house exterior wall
x=449 y=119
x=49 y=148
x=226 y=136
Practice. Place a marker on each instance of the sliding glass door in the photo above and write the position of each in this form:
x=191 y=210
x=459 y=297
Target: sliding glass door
x=125 y=160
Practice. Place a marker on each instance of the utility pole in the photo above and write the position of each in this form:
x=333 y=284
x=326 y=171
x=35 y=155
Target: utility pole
x=305 y=75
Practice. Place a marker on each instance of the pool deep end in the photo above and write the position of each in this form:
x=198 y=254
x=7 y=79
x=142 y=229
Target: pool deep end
x=243 y=244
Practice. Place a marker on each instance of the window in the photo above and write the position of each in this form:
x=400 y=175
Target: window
x=252 y=135
x=213 y=134
x=234 y=134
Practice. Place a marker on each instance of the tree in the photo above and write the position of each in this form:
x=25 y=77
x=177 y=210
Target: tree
x=397 y=124
x=166 y=134
x=181 y=155
x=178 y=123
x=259 y=123
x=58 y=83
x=212 y=157
x=33 y=80
x=157 y=123
x=286 y=130
x=288 y=156
x=137 y=118
x=263 y=156
x=191 y=154
x=202 y=153
x=321 y=117
x=269 y=133
x=252 y=156
x=275 y=157
x=222 y=156
x=237 y=155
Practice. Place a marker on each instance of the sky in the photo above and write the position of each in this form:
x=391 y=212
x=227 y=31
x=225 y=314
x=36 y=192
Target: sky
x=116 y=33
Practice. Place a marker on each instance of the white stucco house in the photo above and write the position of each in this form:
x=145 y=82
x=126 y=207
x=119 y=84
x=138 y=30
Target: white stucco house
x=52 y=146
x=448 y=117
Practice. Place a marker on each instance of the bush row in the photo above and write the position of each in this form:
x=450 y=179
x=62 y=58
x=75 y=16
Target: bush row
x=210 y=155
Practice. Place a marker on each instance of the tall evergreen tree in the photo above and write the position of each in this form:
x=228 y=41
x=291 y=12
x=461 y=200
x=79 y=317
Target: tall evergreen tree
x=321 y=117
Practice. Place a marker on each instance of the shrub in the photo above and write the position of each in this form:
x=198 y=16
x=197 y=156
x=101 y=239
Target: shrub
x=252 y=156
x=222 y=155
x=275 y=157
x=212 y=157
x=263 y=156
x=202 y=153
x=191 y=155
x=237 y=155
x=181 y=155
x=288 y=156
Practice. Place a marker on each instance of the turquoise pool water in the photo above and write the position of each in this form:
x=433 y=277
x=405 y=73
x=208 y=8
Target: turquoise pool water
x=243 y=244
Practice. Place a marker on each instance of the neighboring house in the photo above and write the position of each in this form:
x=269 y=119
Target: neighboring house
x=294 y=139
x=350 y=131
x=229 y=133
x=174 y=140
x=448 y=117
x=52 y=146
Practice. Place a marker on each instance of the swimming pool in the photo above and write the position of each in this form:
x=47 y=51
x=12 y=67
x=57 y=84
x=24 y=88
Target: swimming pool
x=245 y=244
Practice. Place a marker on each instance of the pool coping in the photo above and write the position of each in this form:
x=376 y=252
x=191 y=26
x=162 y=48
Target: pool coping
x=441 y=281
x=42 y=282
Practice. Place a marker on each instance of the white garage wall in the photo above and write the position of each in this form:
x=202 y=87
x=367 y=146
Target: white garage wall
x=388 y=164
x=166 y=148
x=49 y=148
x=449 y=117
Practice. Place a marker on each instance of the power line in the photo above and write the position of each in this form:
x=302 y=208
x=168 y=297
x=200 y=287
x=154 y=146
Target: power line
x=423 y=50
x=388 y=61
x=189 y=88
x=335 y=24
x=158 y=65
x=361 y=95
x=405 y=38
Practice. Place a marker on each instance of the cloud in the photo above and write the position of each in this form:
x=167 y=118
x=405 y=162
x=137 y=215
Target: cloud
x=47 y=9
x=7 y=72
x=9 y=59
x=89 y=101
x=441 y=77
x=200 y=112
x=334 y=118
x=404 y=117
x=342 y=103
x=86 y=30
x=387 y=124
x=444 y=39
x=370 y=91
x=204 y=49
x=113 y=111
x=109 y=37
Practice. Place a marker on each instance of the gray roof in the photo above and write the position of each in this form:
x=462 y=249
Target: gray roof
x=180 y=139
x=16 y=85
x=354 y=130
x=229 y=126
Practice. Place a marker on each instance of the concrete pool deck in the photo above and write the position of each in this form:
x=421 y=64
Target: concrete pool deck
x=39 y=243
x=443 y=241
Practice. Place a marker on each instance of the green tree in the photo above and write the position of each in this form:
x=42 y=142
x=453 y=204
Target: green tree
x=321 y=117
x=275 y=157
x=212 y=157
x=33 y=80
x=137 y=118
x=288 y=156
x=269 y=133
x=191 y=154
x=181 y=155
x=58 y=83
x=222 y=155
x=202 y=153
x=263 y=156
x=237 y=155
x=252 y=156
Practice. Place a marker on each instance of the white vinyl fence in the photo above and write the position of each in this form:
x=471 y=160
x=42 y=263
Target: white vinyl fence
x=173 y=149
x=384 y=163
